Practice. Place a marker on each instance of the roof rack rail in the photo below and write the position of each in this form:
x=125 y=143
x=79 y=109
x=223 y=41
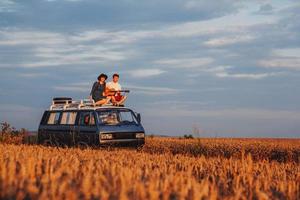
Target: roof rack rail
x=68 y=104
x=58 y=104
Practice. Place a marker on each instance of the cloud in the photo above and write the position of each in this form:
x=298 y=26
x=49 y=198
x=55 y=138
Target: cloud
x=74 y=87
x=289 y=63
x=32 y=75
x=92 y=13
x=50 y=48
x=115 y=37
x=219 y=42
x=212 y=9
x=137 y=89
x=225 y=24
x=17 y=37
x=176 y=103
x=200 y=65
x=217 y=69
x=179 y=30
x=185 y=62
x=265 y=9
x=288 y=58
x=246 y=75
x=234 y=113
x=44 y=49
x=224 y=72
x=287 y=52
x=145 y=73
x=15 y=108
x=152 y=91
x=64 y=0
x=7 y=6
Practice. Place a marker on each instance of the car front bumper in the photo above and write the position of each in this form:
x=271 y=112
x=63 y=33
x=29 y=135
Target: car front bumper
x=139 y=141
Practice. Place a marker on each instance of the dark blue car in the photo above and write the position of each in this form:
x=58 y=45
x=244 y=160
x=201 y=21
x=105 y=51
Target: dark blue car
x=69 y=123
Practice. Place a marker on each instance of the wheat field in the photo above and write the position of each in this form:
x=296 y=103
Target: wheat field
x=163 y=169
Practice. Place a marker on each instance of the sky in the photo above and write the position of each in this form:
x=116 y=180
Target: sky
x=224 y=68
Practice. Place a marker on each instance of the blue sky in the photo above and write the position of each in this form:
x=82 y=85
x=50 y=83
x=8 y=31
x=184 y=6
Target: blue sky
x=227 y=68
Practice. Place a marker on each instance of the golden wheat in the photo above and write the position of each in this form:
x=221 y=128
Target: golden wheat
x=155 y=172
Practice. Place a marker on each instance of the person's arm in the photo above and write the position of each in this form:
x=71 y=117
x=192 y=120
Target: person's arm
x=93 y=90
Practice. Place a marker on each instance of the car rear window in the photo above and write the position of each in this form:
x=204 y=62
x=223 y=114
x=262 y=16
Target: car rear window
x=68 y=118
x=53 y=118
x=45 y=118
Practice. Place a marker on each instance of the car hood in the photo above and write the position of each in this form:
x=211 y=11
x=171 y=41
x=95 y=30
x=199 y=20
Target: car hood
x=121 y=128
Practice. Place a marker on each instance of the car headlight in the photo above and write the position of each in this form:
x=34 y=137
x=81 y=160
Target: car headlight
x=106 y=136
x=139 y=135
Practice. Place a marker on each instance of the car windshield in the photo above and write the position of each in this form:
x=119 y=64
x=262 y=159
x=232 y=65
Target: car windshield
x=116 y=117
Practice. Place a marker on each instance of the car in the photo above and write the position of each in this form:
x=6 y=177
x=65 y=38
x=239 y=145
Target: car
x=72 y=123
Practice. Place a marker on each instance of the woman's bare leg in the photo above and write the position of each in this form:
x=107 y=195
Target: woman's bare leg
x=108 y=99
x=101 y=102
x=113 y=100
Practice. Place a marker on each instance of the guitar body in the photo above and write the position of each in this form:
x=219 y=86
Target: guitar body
x=110 y=92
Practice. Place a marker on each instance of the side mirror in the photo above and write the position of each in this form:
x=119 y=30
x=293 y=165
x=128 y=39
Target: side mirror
x=138 y=116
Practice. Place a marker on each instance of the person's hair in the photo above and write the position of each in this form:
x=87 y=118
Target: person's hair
x=117 y=75
x=102 y=75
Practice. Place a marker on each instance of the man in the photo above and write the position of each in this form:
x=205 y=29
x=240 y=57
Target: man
x=115 y=87
x=98 y=91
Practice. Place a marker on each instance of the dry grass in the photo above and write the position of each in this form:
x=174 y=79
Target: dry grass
x=281 y=150
x=163 y=169
x=10 y=135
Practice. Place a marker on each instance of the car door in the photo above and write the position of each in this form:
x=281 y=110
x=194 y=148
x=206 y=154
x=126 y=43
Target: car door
x=53 y=128
x=87 y=128
x=67 y=123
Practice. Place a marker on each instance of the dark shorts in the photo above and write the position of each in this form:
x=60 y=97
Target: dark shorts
x=99 y=98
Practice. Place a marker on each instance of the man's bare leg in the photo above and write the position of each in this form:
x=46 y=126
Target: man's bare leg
x=122 y=100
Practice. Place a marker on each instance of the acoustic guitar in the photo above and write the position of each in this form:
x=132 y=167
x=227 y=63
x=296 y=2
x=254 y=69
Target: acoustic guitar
x=112 y=92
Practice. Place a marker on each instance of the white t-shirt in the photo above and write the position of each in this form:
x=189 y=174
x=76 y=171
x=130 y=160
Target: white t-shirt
x=113 y=85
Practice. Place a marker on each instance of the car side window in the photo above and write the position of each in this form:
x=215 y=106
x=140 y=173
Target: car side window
x=87 y=119
x=53 y=118
x=68 y=118
x=126 y=116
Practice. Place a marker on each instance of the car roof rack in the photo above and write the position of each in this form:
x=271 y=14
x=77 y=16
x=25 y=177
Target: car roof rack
x=61 y=103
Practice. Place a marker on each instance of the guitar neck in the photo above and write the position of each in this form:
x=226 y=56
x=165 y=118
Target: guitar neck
x=127 y=91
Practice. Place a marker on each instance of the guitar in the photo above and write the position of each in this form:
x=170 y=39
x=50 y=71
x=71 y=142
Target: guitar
x=112 y=92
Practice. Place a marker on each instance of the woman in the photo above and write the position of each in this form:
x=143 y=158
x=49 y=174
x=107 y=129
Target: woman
x=98 y=91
